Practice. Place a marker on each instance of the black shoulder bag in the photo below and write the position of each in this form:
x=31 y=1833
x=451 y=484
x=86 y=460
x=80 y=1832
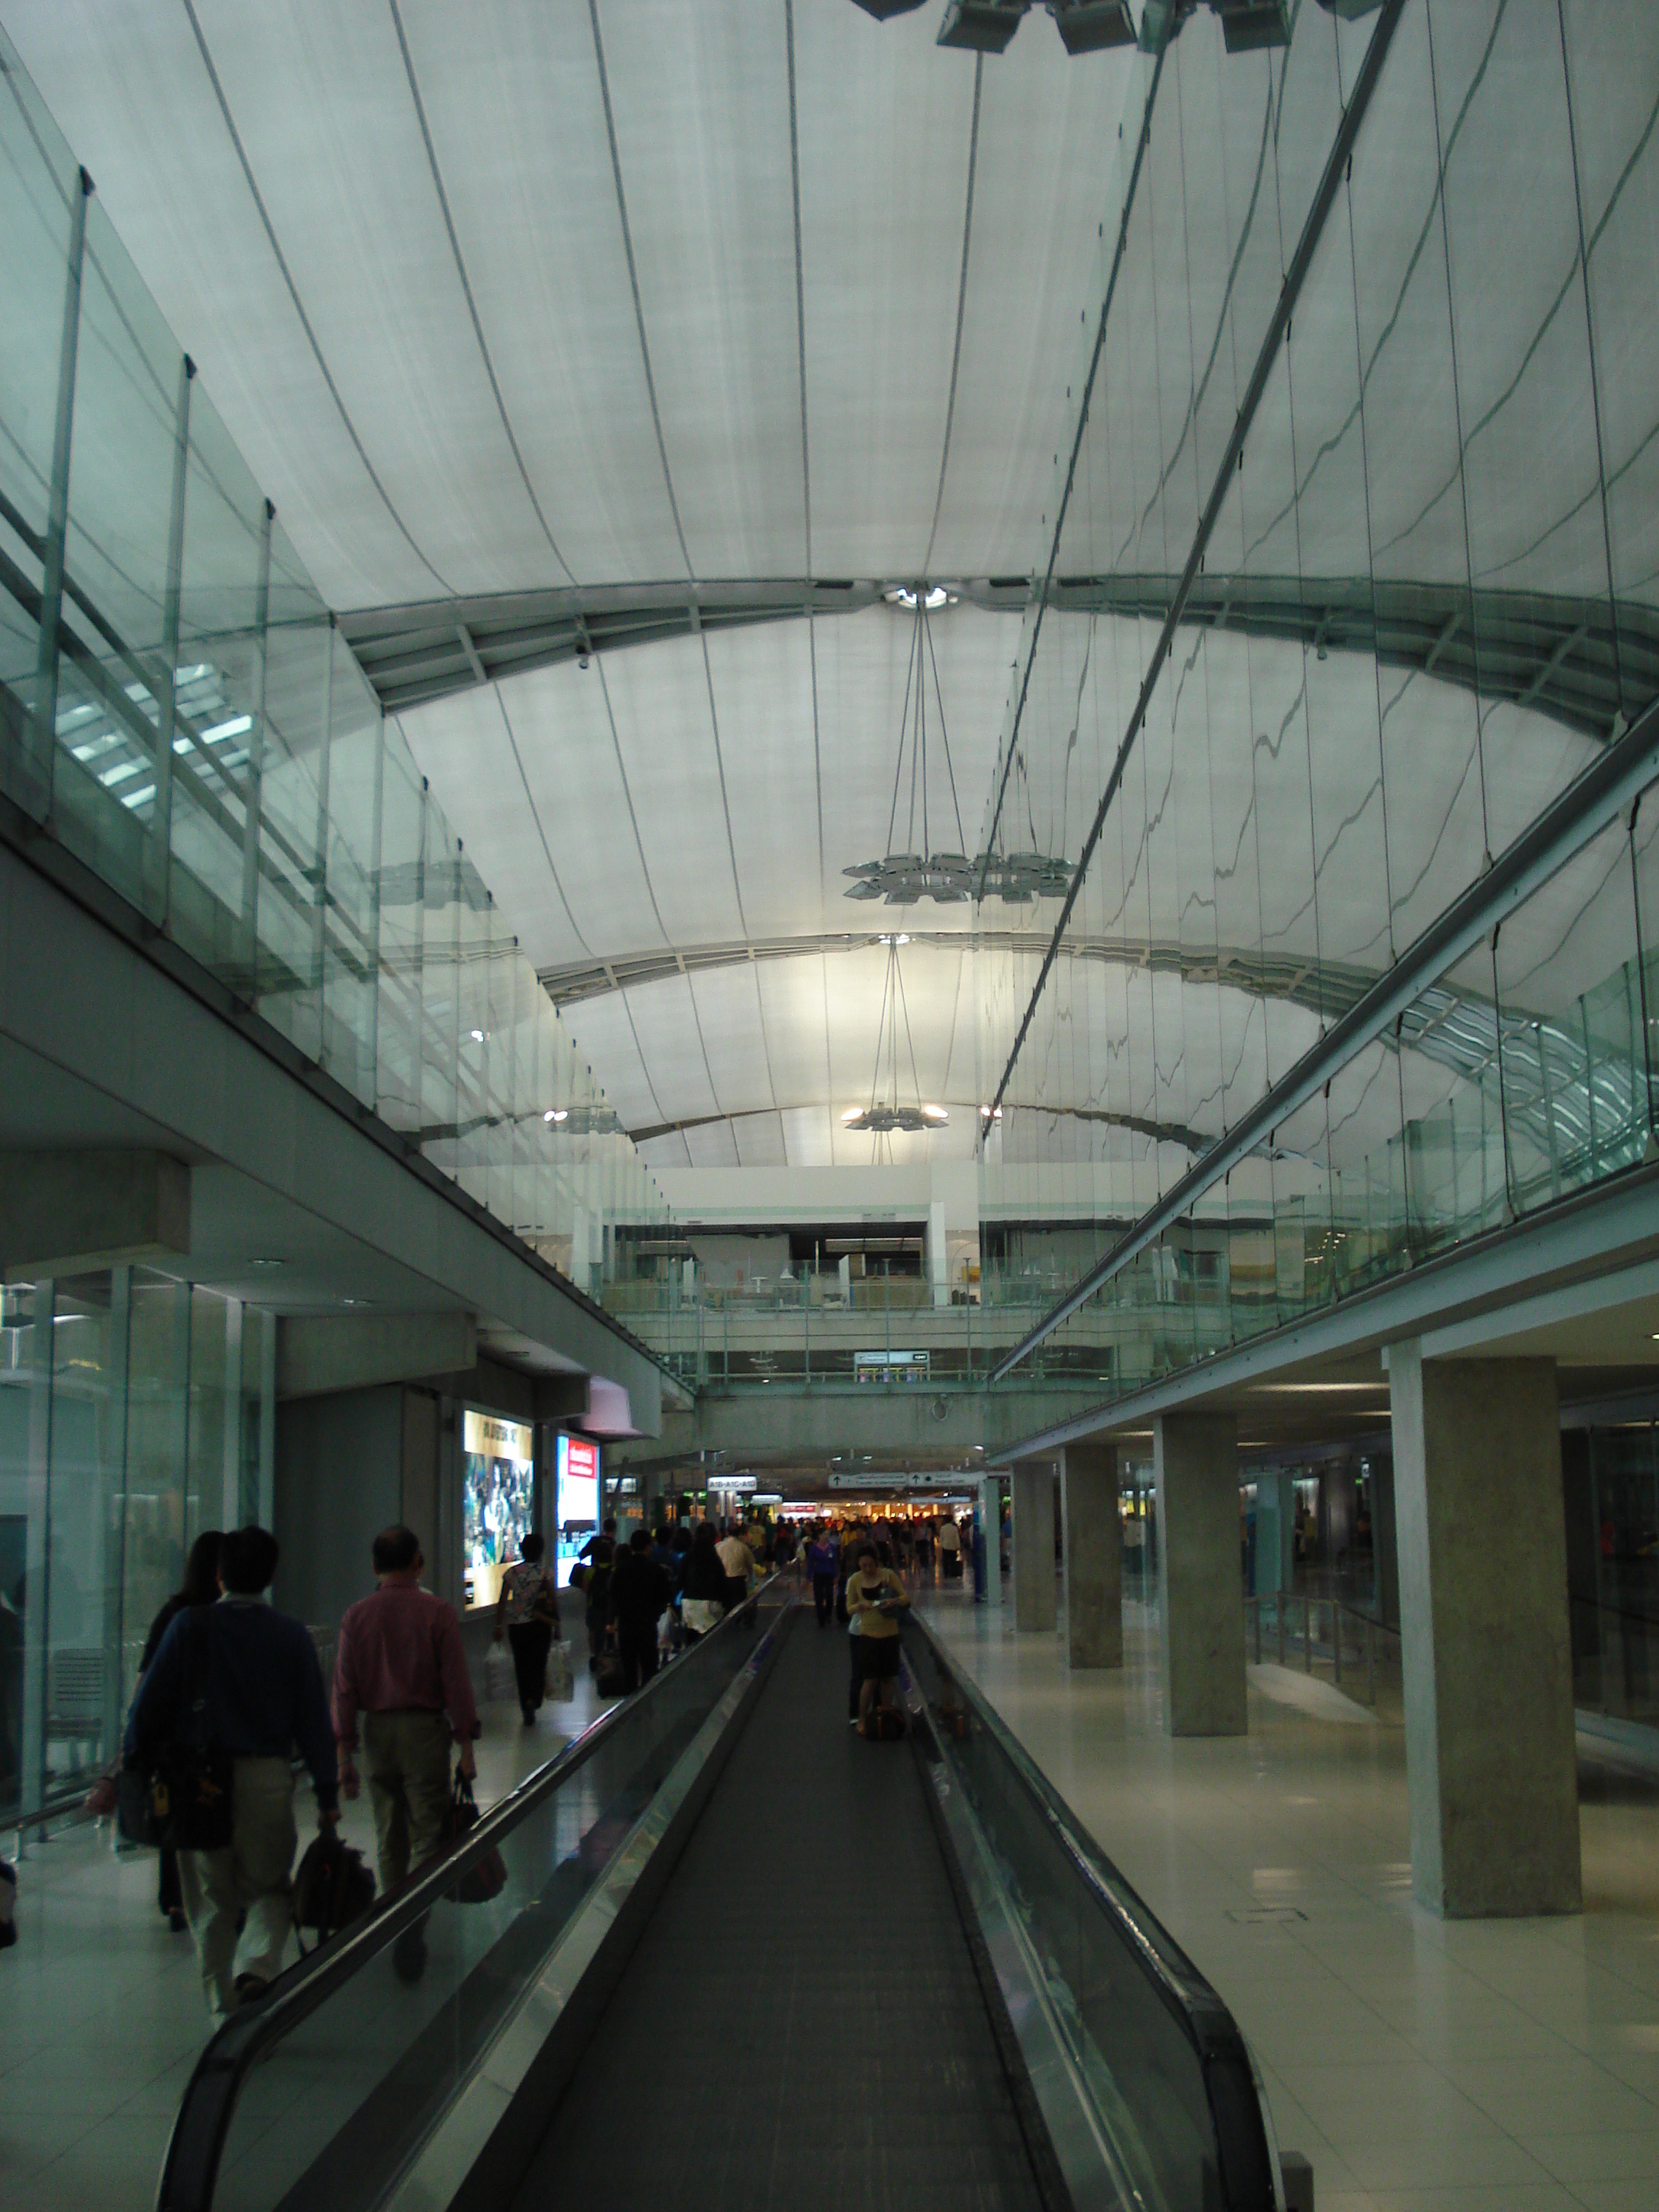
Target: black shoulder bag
x=192 y=1793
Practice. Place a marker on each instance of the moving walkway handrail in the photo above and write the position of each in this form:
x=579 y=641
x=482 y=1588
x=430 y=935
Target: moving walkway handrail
x=190 y=2169
x=1232 y=2086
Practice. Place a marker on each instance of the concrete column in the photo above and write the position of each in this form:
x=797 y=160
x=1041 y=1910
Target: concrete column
x=1199 y=1580
x=938 y=1272
x=1092 y=1548
x=1385 y=1541
x=1034 y=1543
x=990 y=1521
x=1490 y=1762
x=1275 y=1530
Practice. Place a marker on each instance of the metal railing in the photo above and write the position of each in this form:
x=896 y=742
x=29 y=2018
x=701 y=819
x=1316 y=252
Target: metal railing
x=1175 y=2104
x=1359 y=1649
x=251 y=2039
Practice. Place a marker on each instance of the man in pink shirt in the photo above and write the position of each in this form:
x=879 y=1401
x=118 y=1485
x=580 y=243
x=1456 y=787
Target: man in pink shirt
x=398 y=1661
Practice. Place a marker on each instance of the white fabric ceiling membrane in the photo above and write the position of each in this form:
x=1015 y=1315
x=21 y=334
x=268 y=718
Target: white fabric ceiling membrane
x=597 y=804
x=494 y=295
x=411 y=451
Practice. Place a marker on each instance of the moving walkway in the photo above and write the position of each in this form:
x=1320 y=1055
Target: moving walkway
x=742 y=1957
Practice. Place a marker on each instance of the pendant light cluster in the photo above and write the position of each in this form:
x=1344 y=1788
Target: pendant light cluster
x=886 y=1113
x=902 y=878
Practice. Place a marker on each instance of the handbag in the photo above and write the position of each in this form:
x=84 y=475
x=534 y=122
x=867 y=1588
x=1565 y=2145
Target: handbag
x=489 y=1878
x=332 y=1885
x=135 y=1808
x=561 y=1674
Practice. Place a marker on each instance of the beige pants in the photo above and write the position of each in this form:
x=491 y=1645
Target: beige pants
x=406 y=1758
x=249 y=1876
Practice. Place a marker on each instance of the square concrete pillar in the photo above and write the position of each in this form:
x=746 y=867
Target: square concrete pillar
x=1034 y=1543
x=990 y=1522
x=1490 y=1760
x=1200 y=1574
x=1092 y=1548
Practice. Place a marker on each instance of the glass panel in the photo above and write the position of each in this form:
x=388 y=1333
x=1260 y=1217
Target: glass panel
x=39 y=187
x=116 y=671
x=23 y=1556
x=354 y=2090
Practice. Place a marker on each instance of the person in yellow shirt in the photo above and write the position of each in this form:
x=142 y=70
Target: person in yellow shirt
x=875 y=1599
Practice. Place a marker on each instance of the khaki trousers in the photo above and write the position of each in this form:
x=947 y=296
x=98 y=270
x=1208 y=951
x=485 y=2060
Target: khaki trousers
x=249 y=1876
x=406 y=1758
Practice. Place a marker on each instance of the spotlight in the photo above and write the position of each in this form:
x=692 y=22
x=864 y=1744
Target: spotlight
x=881 y=10
x=980 y=27
x=1086 y=27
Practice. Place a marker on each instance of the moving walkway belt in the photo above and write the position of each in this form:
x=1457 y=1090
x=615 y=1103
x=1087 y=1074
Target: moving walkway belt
x=743 y=1956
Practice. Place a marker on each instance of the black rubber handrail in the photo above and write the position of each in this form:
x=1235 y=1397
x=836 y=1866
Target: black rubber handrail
x=1243 y=2134
x=190 y=2170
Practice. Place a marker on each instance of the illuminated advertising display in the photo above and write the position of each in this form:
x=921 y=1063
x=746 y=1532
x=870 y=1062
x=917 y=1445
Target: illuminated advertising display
x=497 y=1500
x=576 y=1510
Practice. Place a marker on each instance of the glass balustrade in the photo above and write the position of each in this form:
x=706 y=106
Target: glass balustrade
x=179 y=711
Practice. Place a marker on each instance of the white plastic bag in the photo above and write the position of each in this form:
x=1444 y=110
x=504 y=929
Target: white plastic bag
x=561 y=1674
x=501 y=1682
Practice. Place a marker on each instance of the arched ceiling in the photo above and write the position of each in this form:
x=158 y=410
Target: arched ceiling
x=551 y=327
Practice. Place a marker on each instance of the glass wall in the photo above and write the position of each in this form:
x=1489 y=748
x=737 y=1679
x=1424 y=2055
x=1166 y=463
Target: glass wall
x=135 y=1411
x=1350 y=571
x=177 y=705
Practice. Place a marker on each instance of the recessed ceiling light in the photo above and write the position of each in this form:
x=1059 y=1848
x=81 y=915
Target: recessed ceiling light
x=267 y=1263
x=476 y=1035
x=556 y=1113
x=354 y=1302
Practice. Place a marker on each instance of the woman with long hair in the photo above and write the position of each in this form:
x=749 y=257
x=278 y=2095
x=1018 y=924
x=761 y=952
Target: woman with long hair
x=199 y=1587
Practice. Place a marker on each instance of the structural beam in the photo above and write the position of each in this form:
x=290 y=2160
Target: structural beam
x=62 y=1212
x=318 y=1354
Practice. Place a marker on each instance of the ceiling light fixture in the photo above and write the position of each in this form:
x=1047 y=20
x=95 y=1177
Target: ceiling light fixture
x=881 y=1117
x=1088 y=26
x=476 y=1035
x=267 y=1263
x=902 y=878
x=556 y=1113
x=982 y=27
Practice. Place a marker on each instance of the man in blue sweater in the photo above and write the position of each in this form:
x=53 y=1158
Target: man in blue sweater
x=264 y=1692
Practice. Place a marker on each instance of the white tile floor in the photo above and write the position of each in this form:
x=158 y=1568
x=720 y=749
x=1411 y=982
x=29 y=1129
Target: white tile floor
x=101 y=2015
x=1422 y=2065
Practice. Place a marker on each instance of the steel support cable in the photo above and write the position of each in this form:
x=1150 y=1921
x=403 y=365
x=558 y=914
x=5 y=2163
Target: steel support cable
x=1288 y=296
x=1600 y=796
x=1118 y=252
x=1371 y=70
